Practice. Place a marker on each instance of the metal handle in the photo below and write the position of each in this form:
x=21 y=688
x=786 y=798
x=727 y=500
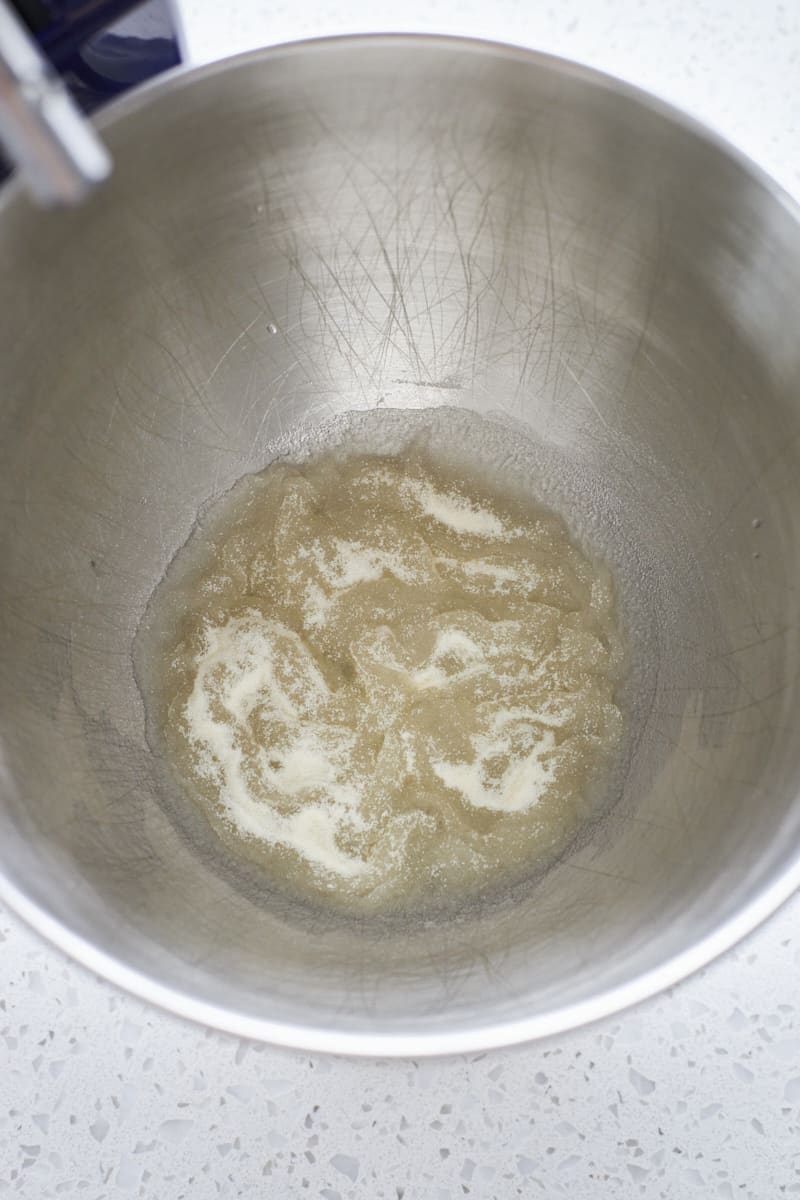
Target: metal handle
x=41 y=129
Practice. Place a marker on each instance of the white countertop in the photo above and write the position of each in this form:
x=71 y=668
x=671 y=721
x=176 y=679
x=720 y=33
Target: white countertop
x=696 y=1093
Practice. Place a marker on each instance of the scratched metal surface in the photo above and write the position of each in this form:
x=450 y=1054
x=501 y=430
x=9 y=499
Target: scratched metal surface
x=396 y=224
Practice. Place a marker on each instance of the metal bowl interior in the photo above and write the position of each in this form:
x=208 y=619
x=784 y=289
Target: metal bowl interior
x=410 y=222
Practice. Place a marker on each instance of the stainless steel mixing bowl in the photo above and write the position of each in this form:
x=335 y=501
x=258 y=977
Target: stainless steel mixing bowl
x=404 y=221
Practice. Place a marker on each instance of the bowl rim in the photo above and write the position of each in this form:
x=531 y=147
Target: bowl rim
x=477 y=1036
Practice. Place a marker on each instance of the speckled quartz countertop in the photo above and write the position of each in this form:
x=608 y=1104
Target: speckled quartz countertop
x=696 y=1093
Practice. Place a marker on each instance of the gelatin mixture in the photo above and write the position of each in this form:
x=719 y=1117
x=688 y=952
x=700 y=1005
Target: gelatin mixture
x=387 y=682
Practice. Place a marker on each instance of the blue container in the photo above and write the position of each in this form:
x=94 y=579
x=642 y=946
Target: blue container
x=103 y=47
